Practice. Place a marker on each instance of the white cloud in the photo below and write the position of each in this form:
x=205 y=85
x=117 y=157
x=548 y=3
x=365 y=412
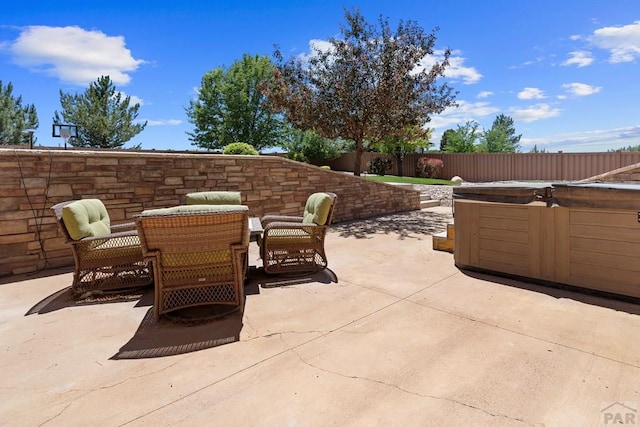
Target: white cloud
x=315 y=46
x=581 y=89
x=485 y=94
x=475 y=109
x=456 y=69
x=537 y=60
x=587 y=141
x=169 y=122
x=465 y=111
x=580 y=58
x=74 y=55
x=535 y=112
x=622 y=42
x=133 y=100
x=531 y=93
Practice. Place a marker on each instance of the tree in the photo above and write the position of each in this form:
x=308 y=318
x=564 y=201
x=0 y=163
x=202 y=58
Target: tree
x=15 y=118
x=501 y=138
x=630 y=148
x=535 y=149
x=446 y=137
x=241 y=148
x=230 y=107
x=401 y=146
x=366 y=87
x=463 y=139
x=105 y=118
x=304 y=146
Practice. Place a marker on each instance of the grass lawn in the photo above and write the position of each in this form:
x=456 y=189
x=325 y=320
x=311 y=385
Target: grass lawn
x=408 y=180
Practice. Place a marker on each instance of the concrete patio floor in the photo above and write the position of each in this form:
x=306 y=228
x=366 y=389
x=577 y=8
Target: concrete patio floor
x=402 y=338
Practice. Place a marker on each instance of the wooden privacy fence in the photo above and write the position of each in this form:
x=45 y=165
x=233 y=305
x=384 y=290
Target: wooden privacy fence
x=485 y=167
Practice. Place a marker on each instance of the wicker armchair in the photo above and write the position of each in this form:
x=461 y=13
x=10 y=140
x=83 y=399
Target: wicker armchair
x=107 y=257
x=198 y=253
x=295 y=244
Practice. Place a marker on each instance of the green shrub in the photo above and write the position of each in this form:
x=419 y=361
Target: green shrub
x=380 y=166
x=429 y=168
x=241 y=148
x=298 y=157
x=325 y=167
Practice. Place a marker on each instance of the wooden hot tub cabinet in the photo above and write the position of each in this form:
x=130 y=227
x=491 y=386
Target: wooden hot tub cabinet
x=583 y=235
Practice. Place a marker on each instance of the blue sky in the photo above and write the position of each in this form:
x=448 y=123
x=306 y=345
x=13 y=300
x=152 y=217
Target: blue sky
x=566 y=71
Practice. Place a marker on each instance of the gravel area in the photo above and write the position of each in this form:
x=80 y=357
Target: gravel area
x=444 y=193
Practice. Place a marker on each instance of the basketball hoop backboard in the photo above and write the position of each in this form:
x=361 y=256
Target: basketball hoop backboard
x=59 y=130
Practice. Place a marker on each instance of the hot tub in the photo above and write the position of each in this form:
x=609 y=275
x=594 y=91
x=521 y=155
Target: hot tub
x=582 y=235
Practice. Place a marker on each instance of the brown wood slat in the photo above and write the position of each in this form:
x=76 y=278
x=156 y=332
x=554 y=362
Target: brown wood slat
x=504 y=235
x=508 y=267
x=600 y=260
x=610 y=218
x=605 y=246
x=605 y=279
x=518 y=248
x=504 y=224
x=496 y=210
x=465 y=222
x=488 y=256
x=603 y=232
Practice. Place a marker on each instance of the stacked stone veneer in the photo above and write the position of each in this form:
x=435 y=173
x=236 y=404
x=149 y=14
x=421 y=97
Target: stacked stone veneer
x=31 y=181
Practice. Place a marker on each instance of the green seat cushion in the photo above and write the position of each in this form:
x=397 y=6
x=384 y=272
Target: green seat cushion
x=317 y=209
x=214 y=198
x=86 y=218
x=194 y=209
x=286 y=237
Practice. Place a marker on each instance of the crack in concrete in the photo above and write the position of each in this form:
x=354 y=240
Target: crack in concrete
x=403 y=390
x=105 y=387
x=537 y=338
x=484 y=322
x=56 y=415
x=281 y=333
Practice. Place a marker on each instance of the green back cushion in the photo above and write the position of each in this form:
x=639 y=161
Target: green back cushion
x=214 y=198
x=317 y=209
x=86 y=218
x=194 y=208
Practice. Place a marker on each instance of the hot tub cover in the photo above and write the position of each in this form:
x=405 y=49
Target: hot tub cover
x=605 y=195
x=511 y=192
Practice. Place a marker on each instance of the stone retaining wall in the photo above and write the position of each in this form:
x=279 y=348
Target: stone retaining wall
x=31 y=181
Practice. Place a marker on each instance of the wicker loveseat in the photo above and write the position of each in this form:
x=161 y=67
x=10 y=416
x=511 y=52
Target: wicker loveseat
x=198 y=253
x=295 y=244
x=107 y=257
x=214 y=198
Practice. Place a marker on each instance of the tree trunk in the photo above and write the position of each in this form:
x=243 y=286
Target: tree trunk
x=358 y=159
x=400 y=159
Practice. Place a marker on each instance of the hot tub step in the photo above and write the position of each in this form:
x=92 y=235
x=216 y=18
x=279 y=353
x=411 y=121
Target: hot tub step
x=444 y=241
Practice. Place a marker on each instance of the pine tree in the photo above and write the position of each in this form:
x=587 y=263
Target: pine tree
x=15 y=119
x=105 y=119
x=501 y=138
